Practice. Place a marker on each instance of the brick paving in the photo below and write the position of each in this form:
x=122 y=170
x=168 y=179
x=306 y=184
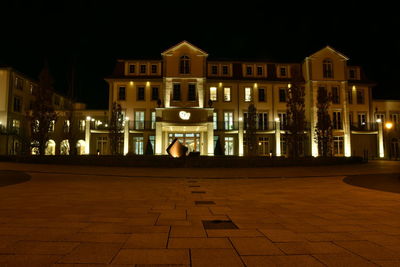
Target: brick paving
x=97 y=216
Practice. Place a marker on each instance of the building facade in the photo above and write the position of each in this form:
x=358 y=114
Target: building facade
x=204 y=103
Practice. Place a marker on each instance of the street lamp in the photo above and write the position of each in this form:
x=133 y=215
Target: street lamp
x=388 y=125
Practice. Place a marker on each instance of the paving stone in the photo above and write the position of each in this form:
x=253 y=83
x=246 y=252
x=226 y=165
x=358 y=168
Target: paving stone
x=369 y=250
x=343 y=260
x=199 y=242
x=255 y=246
x=187 y=231
x=281 y=235
x=147 y=240
x=215 y=257
x=43 y=248
x=233 y=233
x=288 y=261
x=28 y=260
x=152 y=256
x=97 y=237
x=303 y=248
x=92 y=253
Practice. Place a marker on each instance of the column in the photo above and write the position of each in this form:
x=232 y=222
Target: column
x=202 y=149
x=240 y=136
x=346 y=122
x=210 y=139
x=87 y=135
x=277 y=137
x=126 y=136
x=167 y=95
x=200 y=90
x=380 y=139
x=158 y=138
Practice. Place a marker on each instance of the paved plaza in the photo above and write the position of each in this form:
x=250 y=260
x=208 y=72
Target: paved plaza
x=98 y=216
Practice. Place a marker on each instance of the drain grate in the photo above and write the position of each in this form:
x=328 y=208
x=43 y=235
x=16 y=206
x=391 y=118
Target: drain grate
x=219 y=224
x=192 y=181
x=204 y=202
x=198 y=192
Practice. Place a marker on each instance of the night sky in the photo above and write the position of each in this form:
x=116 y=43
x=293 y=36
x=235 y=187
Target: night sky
x=94 y=34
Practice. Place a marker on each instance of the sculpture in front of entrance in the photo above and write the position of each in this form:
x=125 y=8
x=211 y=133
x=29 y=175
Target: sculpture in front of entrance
x=176 y=149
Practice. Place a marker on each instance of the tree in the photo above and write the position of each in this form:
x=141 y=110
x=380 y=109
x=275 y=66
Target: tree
x=296 y=118
x=116 y=128
x=149 y=148
x=251 y=130
x=42 y=117
x=323 y=129
x=71 y=124
x=218 y=151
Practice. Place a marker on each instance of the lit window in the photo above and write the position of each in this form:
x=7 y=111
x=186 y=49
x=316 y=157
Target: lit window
x=82 y=124
x=229 y=147
x=139 y=120
x=247 y=94
x=338 y=144
x=138 y=145
x=51 y=126
x=16 y=125
x=337 y=120
x=228 y=120
x=213 y=93
x=184 y=66
x=327 y=68
x=227 y=94
x=215 y=120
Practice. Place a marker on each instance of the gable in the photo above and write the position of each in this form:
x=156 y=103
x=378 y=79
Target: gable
x=328 y=52
x=184 y=46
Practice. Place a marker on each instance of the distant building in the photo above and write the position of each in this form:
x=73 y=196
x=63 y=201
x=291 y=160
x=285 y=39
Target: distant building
x=185 y=95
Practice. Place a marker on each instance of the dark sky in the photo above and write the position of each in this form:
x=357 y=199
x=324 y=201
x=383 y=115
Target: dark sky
x=94 y=34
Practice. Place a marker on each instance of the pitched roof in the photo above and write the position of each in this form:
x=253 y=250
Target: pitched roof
x=332 y=50
x=184 y=42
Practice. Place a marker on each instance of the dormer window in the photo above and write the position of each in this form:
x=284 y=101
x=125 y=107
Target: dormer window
x=184 y=66
x=282 y=71
x=327 y=68
x=132 y=68
x=142 y=69
x=260 y=70
x=225 y=70
x=214 y=69
x=249 y=70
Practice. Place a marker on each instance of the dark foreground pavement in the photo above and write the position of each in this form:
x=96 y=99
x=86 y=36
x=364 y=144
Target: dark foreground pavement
x=97 y=216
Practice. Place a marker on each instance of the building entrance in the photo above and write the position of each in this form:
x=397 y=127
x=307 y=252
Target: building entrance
x=190 y=140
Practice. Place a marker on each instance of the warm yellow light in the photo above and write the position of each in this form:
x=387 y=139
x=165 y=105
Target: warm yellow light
x=259 y=143
x=255 y=85
x=147 y=83
x=88 y=118
x=389 y=125
x=240 y=119
x=354 y=88
x=378 y=120
x=220 y=84
x=127 y=118
x=131 y=82
x=276 y=119
x=289 y=85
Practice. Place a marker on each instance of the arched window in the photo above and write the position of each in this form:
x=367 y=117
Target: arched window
x=327 y=68
x=184 y=66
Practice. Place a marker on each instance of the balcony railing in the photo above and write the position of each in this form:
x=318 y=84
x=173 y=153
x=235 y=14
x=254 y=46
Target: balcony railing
x=142 y=125
x=226 y=126
x=264 y=126
x=366 y=126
